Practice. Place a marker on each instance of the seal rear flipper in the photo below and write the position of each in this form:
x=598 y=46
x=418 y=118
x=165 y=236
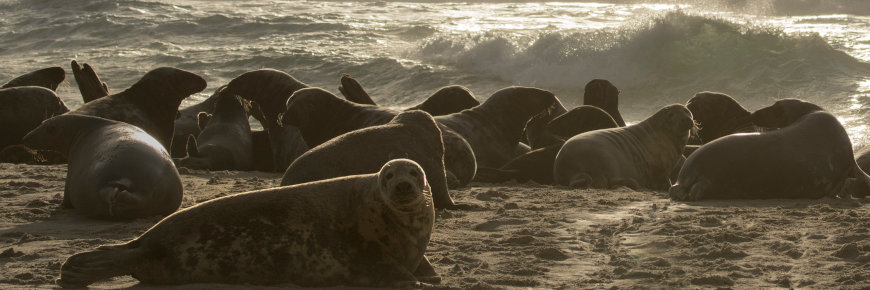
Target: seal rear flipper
x=353 y=91
x=494 y=175
x=426 y=273
x=192 y=149
x=90 y=85
x=82 y=269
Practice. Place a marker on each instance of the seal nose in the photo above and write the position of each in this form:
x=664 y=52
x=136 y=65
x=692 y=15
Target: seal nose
x=404 y=187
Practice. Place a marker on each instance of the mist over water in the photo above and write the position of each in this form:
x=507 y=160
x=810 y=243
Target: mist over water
x=656 y=52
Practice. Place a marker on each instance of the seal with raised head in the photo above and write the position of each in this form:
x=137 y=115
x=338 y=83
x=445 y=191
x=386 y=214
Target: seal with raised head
x=187 y=123
x=637 y=156
x=494 y=129
x=444 y=101
x=537 y=165
x=321 y=116
x=48 y=78
x=362 y=230
x=90 y=85
x=225 y=142
x=24 y=108
x=603 y=94
x=413 y=135
x=270 y=89
x=151 y=103
x=718 y=115
x=116 y=170
x=809 y=157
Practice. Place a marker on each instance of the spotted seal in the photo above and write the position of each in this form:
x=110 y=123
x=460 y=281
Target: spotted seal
x=362 y=230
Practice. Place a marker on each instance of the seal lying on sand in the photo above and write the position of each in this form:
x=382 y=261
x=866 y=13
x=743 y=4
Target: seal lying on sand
x=321 y=116
x=116 y=170
x=362 y=230
x=24 y=108
x=270 y=89
x=810 y=157
x=444 y=101
x=537 y=164
x=637 y=156
x=48 y=78
x=151 y=103
x=494 y=129
x=90 y=85
x=413 y=135
x=225 y=142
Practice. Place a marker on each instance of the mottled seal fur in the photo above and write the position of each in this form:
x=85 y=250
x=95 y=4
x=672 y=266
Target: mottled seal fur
x=24 y=108
x=718 y=115
x=810 y=157
x=151 y=103
x=48 y=78
x=270 y=89
x=115 y=171
x=413 y=135
x=361 y=230
x=637 y=156
x=495 y=127
x=321 y=116
x=225 y=141
x=90 y=85
x=603 y=94
x=537 y=165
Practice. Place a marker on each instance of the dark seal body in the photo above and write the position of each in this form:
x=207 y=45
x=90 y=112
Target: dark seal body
x=151 y=103
x=24 y=108
x=537 y=165
x=187 y=123
x=48 y=78
x=718 y=115
x=362 y=230
x=413 y=135
x=810 y=157
x=494 y=129
x=321 y=116
x=115 y=171
x=270 y=89
x=225 y=143
x=637 y=156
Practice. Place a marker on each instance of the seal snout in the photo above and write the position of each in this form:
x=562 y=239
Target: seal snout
x=404 y=188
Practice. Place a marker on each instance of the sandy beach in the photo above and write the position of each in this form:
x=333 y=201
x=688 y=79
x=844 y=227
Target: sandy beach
x=527 y=235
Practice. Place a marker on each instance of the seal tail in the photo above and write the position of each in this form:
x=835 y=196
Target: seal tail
x=82 y=269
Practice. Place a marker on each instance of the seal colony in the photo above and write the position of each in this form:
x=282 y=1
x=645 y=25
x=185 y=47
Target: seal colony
x=356 y=205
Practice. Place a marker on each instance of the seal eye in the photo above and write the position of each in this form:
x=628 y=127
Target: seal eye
x=413 y=173
x=389 y=176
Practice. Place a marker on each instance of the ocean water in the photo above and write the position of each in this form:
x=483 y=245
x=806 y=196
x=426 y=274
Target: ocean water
x=656 y=52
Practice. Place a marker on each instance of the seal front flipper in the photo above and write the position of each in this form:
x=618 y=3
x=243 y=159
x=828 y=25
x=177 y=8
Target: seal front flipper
x=89 y=83
x=426 y=273
x=82 y=269
x=353 y=91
